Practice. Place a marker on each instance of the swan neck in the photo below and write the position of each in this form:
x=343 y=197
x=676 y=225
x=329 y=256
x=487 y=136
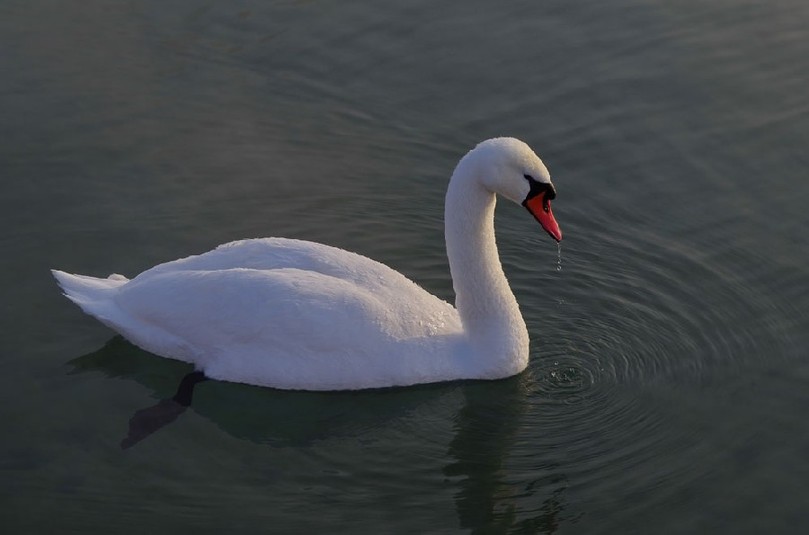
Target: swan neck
x=484 y=300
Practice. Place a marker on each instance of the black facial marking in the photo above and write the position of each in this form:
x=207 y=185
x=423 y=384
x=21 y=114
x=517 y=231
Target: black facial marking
x=539 y=187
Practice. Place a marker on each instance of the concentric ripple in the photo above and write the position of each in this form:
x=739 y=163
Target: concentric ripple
x=633 y=318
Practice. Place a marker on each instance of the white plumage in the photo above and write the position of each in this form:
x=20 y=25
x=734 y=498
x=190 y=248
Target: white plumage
x=301 y=315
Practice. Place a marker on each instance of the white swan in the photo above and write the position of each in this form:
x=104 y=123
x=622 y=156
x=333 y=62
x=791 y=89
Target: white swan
x=301 y=315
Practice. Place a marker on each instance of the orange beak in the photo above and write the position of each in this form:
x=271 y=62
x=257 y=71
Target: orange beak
x=540 y=208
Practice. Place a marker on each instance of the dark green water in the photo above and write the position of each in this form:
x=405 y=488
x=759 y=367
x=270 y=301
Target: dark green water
x=669 y=376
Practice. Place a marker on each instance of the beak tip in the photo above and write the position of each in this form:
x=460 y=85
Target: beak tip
x=541 y=210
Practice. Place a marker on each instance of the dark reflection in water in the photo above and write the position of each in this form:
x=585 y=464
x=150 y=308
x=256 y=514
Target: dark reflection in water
x=261 y=415
x=146 y=421
x=484 y=431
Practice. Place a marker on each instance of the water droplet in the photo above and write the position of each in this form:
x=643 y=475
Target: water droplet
x=559 y=256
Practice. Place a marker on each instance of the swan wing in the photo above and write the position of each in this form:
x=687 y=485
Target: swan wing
x=284 y=327
x=281 y=313
x=410 y=310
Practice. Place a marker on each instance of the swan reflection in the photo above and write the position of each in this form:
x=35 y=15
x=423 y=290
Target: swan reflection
x=485 y=429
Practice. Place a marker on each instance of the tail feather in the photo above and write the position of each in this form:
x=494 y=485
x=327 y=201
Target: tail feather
x=92 y=294
x=97 y=297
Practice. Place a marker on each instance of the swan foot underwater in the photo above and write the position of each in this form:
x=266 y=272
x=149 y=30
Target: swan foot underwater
x=294 y=314
x=149 y=420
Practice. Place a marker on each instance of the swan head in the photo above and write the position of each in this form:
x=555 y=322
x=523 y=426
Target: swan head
x=509 y=167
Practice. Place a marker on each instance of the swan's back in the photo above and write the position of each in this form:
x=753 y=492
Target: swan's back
x=408 y=304
x=280 y=312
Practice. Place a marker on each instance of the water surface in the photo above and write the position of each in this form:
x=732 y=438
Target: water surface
x=669 y=376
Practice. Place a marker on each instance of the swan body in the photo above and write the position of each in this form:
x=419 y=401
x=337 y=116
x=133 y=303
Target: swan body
x=295 y=314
